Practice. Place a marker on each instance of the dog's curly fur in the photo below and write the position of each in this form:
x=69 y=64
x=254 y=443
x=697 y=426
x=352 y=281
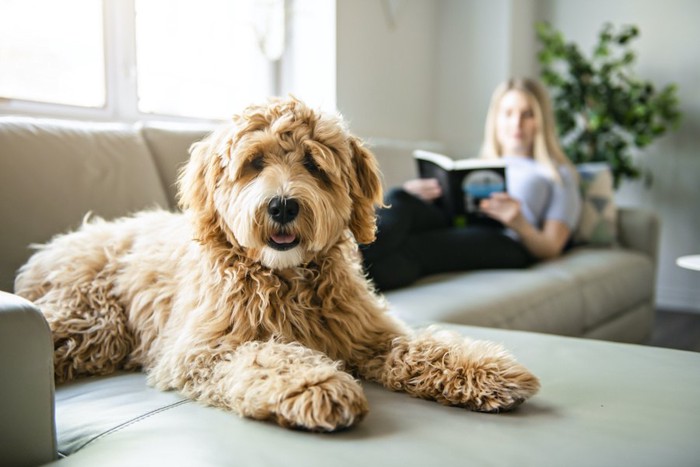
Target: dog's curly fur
x=257 y=307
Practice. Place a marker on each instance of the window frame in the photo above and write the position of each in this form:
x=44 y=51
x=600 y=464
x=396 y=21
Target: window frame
x=121 y=93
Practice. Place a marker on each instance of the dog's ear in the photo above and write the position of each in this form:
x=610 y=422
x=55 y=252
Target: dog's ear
x=198 y=178
x=365 y=191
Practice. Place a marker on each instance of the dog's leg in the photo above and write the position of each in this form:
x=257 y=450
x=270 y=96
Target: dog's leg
x=72 y=281
x=452 y=370
x=288 y=383
x=89 y=330
x=88 y=324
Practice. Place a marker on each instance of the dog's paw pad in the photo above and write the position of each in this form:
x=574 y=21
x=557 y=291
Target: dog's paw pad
x=330 y=405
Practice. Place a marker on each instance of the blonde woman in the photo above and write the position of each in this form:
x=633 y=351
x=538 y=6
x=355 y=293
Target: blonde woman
x=540 y=209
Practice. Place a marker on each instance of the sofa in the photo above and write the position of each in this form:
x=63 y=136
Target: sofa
x=54 y=172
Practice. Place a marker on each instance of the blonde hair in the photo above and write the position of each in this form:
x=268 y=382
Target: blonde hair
x=546 y=148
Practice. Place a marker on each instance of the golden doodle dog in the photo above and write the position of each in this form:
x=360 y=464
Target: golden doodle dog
x=253 y=298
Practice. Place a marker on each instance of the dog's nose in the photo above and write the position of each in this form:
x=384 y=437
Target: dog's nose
x=283 y=210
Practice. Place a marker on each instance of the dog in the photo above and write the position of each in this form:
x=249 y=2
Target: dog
x=253 y=298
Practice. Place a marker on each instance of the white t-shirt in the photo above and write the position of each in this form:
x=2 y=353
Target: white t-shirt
x=541 y=197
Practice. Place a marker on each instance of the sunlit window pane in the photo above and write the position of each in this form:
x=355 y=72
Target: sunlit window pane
x=52 y=51
x=203 y=58
x=310 y=68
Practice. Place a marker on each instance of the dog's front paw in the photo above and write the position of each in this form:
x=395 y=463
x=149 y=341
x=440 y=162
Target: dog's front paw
x=445 y=367
x=489 y=379
x=501 y=386
x=332 y=404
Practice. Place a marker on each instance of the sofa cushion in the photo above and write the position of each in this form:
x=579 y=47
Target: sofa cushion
x=170 y=144
x=608 y=281
x=527 y=299
x=598 y=222
x=54 y=172
x=396 y=162
x=568 y=296
x=601 y=403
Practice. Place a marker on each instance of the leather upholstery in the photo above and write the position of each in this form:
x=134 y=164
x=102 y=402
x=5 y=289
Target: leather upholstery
x=27 y=430
x=600 y=404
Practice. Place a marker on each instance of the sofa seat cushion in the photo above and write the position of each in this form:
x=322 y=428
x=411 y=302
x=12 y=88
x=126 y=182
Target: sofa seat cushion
x=515 y=299
x=54 y=172
x=601 y=403
x=608 y=281
x=567 y=296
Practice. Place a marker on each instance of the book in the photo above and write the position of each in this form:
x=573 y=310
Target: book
x=464 y=183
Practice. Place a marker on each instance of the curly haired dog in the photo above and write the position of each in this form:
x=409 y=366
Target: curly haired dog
x=254 y=299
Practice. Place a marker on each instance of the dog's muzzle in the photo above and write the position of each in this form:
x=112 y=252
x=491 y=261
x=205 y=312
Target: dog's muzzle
x=283 y=211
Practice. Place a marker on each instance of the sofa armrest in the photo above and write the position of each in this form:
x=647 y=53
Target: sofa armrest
x=638 y=229
x=27 y=426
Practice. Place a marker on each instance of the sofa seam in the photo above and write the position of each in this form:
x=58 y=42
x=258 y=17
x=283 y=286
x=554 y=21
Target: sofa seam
x=131 y=422
x=140 y=130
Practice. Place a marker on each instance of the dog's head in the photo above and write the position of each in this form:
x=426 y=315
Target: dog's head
x=282 y=184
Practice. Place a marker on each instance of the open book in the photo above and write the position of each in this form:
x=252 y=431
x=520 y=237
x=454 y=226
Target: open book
x=464 y=183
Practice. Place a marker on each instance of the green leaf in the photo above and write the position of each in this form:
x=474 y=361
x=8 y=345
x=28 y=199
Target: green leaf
x=602 y=109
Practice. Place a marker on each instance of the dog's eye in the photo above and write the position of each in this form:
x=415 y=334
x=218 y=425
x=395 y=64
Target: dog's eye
x=313 y=168
x=310 y=164
x=257 y=162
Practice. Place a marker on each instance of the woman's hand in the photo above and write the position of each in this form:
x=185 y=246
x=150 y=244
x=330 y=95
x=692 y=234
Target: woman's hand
x=427 y=189
x=503 y=208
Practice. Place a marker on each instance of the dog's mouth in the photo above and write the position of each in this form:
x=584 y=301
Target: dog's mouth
x=283 y=241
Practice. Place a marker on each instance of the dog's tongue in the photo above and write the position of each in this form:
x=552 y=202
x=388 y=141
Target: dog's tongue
x=283 y=238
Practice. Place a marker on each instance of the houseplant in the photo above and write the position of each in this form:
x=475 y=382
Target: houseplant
x=603 y=111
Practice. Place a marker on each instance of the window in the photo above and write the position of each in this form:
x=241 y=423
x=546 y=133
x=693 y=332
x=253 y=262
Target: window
x=165 y=59
x=208 y=67
x=45 y=60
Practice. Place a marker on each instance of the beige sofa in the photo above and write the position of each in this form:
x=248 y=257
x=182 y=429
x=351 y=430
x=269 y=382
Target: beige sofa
x=53 y=172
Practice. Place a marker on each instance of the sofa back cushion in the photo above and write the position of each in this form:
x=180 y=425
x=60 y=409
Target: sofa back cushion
x=52 y=173
x=598 y=223
x=170 y=144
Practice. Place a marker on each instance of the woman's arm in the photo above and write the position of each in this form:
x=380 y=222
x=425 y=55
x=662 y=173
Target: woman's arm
x=546 y=243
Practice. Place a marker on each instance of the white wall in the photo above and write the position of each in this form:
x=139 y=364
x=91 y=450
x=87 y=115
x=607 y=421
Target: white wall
x=480 y=44
x=310 y=76
x=468 y=73
x=429 y=78
x=667 y=53
x=385 y=73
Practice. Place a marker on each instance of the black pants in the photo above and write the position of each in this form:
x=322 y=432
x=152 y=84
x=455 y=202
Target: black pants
x=414 y=239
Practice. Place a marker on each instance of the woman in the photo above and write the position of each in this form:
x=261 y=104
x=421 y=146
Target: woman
x=540 y=209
